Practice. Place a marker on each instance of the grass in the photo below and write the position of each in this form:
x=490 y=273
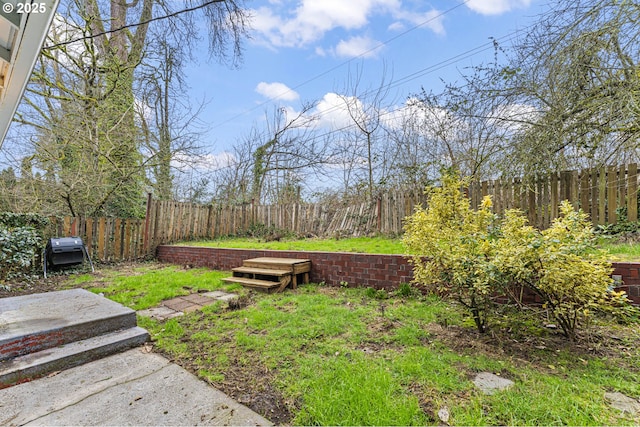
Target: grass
x=149 y=285
x=379 y=245
x=629 y=252
x=343 y=356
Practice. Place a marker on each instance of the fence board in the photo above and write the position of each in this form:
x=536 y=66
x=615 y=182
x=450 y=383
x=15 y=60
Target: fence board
x=611 y=194
x=602 y=197
x=621 y=187
x=594 y=196
x=596 y=191
x=584 y=192
x=632 y=192
x=89 y=233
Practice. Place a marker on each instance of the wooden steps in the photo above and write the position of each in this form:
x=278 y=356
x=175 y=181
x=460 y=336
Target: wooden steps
x=261 y=271
x=271 y=274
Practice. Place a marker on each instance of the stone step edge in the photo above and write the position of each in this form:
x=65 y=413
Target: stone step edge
x=45 y=339
x=35 y=365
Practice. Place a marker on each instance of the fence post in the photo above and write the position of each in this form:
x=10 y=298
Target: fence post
x=379 y=213
x=632 y=192
x=611 y=194
x=147 y=217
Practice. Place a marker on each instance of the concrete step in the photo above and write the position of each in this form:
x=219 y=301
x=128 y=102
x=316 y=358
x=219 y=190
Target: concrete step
x=33 y=323
x=34 y=365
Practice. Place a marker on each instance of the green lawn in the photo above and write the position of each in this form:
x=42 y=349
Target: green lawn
x=342 y=356
x=621 y=251
x=148 y=285
x=378 y=245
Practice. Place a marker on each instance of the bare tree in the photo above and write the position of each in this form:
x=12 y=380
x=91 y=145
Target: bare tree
x=578 y=69
x=81 y=104
x=290 y=151
x=366 y=108
x=169 y=121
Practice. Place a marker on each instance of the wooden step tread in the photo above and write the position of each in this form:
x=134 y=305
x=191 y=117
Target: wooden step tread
x=261 y=271
x=252 y=282
x=296 y=266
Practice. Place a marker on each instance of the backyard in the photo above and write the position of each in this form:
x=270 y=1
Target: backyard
x=322 y=355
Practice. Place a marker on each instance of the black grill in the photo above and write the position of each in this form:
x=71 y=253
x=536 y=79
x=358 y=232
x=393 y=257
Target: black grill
x=65 y=251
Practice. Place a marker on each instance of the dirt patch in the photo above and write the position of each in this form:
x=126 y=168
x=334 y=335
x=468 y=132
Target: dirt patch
x=538 y=351
x=252 y=386
x=245 y=380
x=33 y=285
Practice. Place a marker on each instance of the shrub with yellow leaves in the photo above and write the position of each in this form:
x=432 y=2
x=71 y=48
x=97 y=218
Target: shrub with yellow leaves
x=452 y=250
x=560 y=264
x=473 y=257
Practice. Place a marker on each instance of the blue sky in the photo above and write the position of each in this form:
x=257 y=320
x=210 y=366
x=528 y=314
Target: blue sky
x=303 y=50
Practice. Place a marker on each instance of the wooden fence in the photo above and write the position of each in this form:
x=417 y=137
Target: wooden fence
x=603 y=193
x=170 y=221
x=107 y=239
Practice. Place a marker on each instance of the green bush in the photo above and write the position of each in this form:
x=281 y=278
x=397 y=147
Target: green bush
x=561 y=265
x=21 y=240
x=472 y=257
x=10 y=220
x=18 y=249
x=452 y=250
x=622 y=225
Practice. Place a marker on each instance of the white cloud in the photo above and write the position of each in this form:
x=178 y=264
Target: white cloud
x=397 y=26
x=332 y=111
x=284 y=25
x=358 y=46
x=277 y=90
x=432 y=19
x=205 y=162
x=415 y=113
x=496 y=7
x=65 y=31
x=514 y=117
x=320 y=51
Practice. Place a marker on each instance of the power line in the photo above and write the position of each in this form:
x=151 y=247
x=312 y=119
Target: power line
x=415 y=75
x=410 y=77
x=430 y=69
x=363 y=54
x=124 y=27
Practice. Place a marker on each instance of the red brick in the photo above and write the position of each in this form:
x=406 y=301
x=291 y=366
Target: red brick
x=380 y=271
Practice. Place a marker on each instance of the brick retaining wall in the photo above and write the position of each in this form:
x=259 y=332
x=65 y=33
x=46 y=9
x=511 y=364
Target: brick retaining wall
x=630 y=275
x=374 y=270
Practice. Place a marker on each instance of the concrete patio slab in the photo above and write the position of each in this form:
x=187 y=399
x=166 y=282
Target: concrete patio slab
x=130 y=388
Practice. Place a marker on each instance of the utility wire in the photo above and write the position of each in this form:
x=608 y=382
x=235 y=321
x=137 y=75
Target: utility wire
x=410 y=77
x=413 y=76
x=124 y=27
x=340 y=65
